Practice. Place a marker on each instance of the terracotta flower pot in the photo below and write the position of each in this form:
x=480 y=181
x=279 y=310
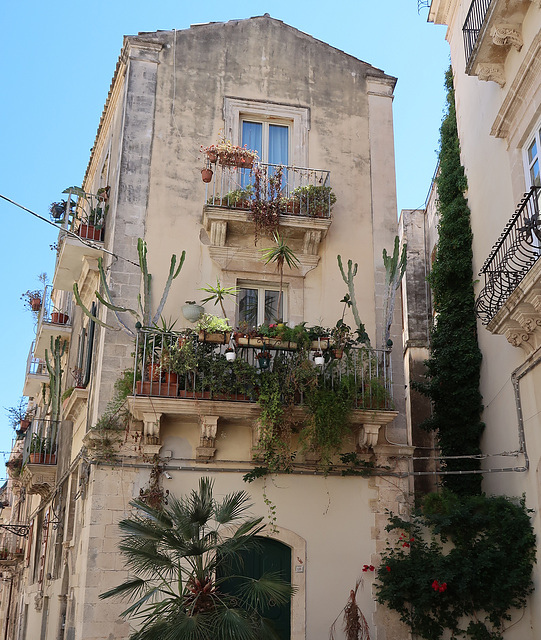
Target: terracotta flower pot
x=206 y=175
x=35 y=304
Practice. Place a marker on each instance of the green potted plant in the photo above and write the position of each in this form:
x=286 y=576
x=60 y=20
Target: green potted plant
x=263 y=359
x=316 y=201
x=230 y=155
x=211 y=328
x=218 y=294
x=281 y=254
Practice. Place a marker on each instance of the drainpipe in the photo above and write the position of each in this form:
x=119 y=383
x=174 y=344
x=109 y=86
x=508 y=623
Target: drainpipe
x=8 y=616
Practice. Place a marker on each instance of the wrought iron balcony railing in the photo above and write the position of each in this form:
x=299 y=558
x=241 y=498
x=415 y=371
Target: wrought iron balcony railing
x=512 y=257
x=56 y=311
x=301 y=192
x=472 y=25
x=35 y=366
x=187 y=366
x=40 y=442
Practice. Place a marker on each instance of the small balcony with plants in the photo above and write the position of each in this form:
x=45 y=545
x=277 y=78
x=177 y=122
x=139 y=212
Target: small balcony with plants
x=491 y=29
x=38 y=472
x=246 y=197
x=36 y=374
x=81 y=217
x=54 y=319
x=509 y=300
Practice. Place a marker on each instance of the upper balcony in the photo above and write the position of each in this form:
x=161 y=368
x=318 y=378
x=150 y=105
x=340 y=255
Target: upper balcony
x=510 y=301
x=244 y=202
x=491 y=28
x=54 y=319
x=82 y=226
x=36 y=374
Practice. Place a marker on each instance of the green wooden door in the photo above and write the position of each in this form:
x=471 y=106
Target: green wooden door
x=270 y=556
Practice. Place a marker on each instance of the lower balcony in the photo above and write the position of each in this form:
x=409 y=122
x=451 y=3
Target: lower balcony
x=510 y=301
x=213 y=376
x=39 y=457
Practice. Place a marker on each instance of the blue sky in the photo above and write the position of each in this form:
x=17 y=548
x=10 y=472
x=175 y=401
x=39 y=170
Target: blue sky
x=58 y=59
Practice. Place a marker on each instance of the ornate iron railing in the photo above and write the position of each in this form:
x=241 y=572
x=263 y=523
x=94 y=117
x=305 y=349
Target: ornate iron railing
x=202 y=371
x=472 y=25
x=516 y=251
x=302 y=191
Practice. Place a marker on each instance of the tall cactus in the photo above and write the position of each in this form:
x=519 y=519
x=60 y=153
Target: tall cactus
x=143 y=314
x=395 y=267
x=352 y=272
x=54 y=368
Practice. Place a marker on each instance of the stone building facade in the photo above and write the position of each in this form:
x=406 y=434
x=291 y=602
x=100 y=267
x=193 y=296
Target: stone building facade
x=324 y=116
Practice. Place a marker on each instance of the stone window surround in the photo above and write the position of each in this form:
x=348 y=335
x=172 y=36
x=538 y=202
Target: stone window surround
x=235 y=109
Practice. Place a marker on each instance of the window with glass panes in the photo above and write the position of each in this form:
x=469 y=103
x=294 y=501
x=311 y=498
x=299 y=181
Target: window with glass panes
x=258 y=304
x=533 y=160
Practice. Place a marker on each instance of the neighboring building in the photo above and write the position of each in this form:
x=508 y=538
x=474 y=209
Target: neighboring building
x=496 y=60
x=318 y=112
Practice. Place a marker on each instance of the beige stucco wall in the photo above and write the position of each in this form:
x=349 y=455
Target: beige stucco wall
x=494 y=123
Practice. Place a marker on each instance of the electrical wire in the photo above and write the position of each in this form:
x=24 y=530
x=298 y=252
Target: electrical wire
x=68 y=232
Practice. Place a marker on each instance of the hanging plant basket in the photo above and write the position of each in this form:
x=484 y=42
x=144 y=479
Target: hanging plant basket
x=206 y=175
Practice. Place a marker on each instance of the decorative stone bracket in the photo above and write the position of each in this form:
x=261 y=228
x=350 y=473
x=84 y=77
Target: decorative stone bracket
x=505 y=35
x=368 y=435
x=151 y=427
x=207 y=443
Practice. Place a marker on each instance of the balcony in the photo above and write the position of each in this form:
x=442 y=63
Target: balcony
x=39 y=457
x=36 y=374
x=218 y=375
x=54 y=319
x=491 y=28
x=510 y=301
x=301 y=202
x=82 y=227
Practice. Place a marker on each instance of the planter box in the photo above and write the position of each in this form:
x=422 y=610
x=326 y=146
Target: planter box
x=156 y=389
x=246 y=341
x=219 y=338
x=42 y=458
x=320 y=345
x=58 y=317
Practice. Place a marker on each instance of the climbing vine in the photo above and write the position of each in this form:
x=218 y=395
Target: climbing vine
x=453 y=368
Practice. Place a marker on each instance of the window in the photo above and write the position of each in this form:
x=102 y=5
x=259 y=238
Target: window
x=271 y=141
x=258 y=304
x=533 y=160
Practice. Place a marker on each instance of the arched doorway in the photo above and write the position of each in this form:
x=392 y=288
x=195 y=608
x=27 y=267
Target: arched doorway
x=270 y=556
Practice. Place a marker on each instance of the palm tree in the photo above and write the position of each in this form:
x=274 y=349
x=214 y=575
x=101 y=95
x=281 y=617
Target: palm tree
x=281 y=254
x=177 y=553
x=218 y=294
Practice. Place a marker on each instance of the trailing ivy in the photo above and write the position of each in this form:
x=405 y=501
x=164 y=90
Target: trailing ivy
x=453 y=367
x=461 y=564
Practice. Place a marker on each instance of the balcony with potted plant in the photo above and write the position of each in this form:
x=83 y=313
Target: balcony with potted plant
x=39 y=456
x=81 y=235
x=302 y=374
x=36 y=374
x=54 y=319
x=255 y=201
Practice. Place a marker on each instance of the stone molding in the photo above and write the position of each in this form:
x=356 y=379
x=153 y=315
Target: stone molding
x=491 y=72
x=504 y=35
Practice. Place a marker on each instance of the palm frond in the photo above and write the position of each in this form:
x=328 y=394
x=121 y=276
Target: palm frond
x=271 y=586
x=232 y=507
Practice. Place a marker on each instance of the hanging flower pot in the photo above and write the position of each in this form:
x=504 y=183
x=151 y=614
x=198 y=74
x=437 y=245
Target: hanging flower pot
x=206 y=174
x=35 y=304
x=192 y=312
x=263 y=359
x=319 y=360
x=230 y=355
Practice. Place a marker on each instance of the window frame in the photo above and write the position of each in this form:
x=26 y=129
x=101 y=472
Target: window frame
x=535 y=137
x=298 y=119
x=261 y=288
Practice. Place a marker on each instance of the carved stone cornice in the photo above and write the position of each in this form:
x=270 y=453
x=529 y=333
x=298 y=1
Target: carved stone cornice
x=76 y=403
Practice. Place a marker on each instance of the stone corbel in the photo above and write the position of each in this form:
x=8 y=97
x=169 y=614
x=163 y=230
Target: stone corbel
x=218 y=233
x=368 y=435
x=491 y=72
x=207 y=443
x=518 y=337
x=311 y=243
x=151 y=427
x=504 y=35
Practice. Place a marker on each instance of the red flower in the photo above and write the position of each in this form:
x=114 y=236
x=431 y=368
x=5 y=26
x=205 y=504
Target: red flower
x=371 y=567
x=412 y=539
x=406 y=544
x=435 y=585
x=443 y=587
x=365 y=567
x=388 y=568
